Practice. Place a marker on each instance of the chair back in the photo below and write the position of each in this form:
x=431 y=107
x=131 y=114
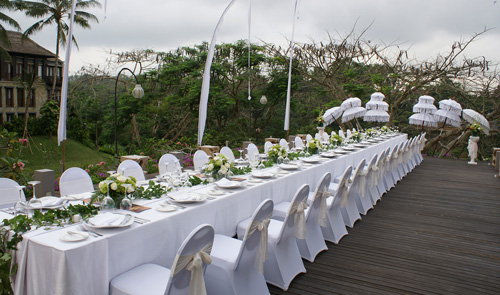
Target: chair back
x=349 y=133
x=228 y=153
x=340 y=197
x=253 y=151
x=284 y=144
x=325 y=137
x=251 y=247
x=267 y=146
x=191 y=261
x=10 y=193
x=341 y=133
x=168 y=163
x=298 y=142
x=318 y=210
x=200 y=159
x=359 y=169
x=75 y=180
x=295 y=219
x=131 y=168
x=308 y=138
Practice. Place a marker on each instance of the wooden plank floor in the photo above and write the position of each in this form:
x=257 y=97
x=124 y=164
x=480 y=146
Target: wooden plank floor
x=436 y=232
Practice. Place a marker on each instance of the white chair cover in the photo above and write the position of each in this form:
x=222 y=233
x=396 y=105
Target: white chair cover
x=376 y=178
x=350 y=212
x=10 y=193
x=371 y=185
x=267 y=146
x=335 y=228
x=186 y=276
x=228 y=153
x=358 y=189
x=233 y=269
x=200 y=159
x=299 y=143
x=348 y=134
x=168 y=163
x=75 y=181
x=308 y=138
x=284 y=144
x=253 y=151
x=131 y=168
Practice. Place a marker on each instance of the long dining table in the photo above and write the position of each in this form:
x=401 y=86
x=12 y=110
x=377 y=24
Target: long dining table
x=49 y=265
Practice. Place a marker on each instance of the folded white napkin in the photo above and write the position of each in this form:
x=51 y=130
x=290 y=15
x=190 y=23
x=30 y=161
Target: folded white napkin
x=187 y=197
x=78 y=197
x=107 y=219
x=51 y=201
x=224 y=182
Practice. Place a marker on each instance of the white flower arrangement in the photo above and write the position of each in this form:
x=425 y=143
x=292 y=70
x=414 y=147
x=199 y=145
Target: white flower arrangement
x=218 y=163
x=276 y=151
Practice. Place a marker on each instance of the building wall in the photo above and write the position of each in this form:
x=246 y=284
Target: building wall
x=7 y=112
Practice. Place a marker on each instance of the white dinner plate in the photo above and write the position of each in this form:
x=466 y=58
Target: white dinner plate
x=260 y=174
x=164 y=207
x=310 y=160
x=328 y=155
x=216 y=192
x=350 y=149
x=75 y=236
x=288 y=167
x=342 y=152
x=225 y=183
x=359 y=145
x=52 y=202
x=255 y=180
x=109 y=220
x=189 y=198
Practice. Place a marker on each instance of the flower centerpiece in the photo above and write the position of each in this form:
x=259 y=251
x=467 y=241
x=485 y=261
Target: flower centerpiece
x=116 y=190
x=320 y=121
x=219 y=165
x=336 y=140
x=476 y=129
x=313 y=146
x=356 y=136
x=369 y=133
x=275 y=152
x=384 y=129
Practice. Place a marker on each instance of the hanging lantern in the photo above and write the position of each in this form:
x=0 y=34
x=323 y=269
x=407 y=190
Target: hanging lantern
x=263 y=99
x=138 y=92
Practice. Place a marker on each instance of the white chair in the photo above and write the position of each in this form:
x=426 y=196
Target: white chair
x=10 y=193
x=299 y=144
x=200 y=159
x=308 y=138
x=348 y=134
x=335 y=227
x=131 y=168
x=252 y=151
x=185 y=277
x=75 y=181
x=371 y=192
x=228 y=153
x=350 y=212
x=284 y=261
x=238 y=265
x=325 y=138
x=376 y=178
x=341 y=133
x=168 y=163
x=284 y=144
x=267 y=146
x=312 y=242
x=358 y=188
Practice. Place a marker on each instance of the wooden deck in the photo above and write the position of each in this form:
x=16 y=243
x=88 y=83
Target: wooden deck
x=437 y=232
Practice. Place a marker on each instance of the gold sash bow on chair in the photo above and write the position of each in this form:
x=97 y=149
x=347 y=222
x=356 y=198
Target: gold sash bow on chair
x=322 y=221
x=362 y=182
x=345 y=192
x=261 y=256
x=194 y=264
x=299 y=219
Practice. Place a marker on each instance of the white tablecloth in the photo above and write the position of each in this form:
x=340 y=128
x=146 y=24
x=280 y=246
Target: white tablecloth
x=48 y=265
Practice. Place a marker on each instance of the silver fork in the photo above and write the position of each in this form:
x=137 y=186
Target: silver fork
x=177 y=205
x=91 y=232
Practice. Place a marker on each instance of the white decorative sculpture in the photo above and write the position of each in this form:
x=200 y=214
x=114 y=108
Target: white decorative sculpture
x=472 y=147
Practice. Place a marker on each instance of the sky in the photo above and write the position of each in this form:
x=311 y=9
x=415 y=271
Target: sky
x=425 y=27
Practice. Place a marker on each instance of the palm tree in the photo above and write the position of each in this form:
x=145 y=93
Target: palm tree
x=54 y=12
x=4 y=39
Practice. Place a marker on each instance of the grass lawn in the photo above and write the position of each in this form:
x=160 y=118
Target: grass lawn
x=46 y=154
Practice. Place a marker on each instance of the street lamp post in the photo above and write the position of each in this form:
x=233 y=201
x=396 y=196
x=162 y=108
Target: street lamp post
x=138 y=92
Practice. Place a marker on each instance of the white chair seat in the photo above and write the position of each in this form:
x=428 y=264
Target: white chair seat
x=225 y=250
x=144 y=279
x=280 y=210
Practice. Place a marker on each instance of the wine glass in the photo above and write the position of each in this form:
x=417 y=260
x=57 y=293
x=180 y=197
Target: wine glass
x=20 y=206
x=286 y=160
x=241 y=154
x=34 y=203
x=108 y=203
x=126 y=203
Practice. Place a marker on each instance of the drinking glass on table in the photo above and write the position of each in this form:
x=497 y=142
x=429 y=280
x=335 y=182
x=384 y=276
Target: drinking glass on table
x=20 y=206
x=34 y=203
x=126 y=203
x=107 y=204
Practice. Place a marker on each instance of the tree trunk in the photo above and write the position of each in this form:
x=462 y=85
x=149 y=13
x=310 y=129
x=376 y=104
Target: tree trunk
x=56 y=65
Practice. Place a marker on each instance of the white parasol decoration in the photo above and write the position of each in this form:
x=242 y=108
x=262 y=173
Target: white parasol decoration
x=350 y=103
x=377 y=109
x=451 y=106
x=424 y=110
x=352 y=109
x=423 y=119
x=472 y=117
x=448 y=117
x=331 y=115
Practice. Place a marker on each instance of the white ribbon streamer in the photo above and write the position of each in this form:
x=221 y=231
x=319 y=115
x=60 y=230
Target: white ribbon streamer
x=205 y=86
x=362 y=182
x=194 y=264
x=345 y=192
x=289 y=85
x=262 y=251
x=299 y=219
x=61 y=127
x=374 y=175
